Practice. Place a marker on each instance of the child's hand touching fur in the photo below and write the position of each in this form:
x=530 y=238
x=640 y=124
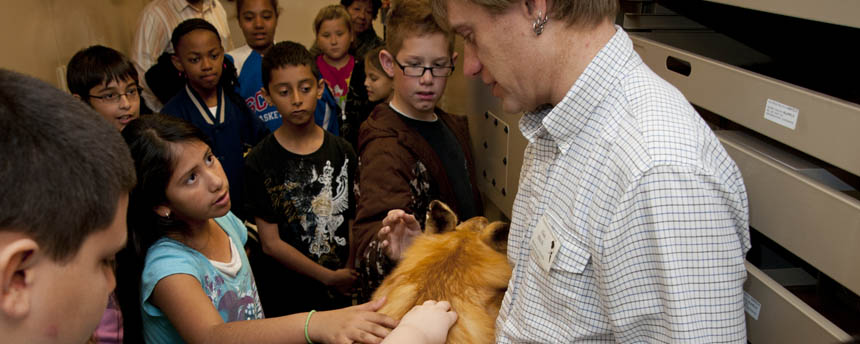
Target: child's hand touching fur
x=428 y=324
x=352 y=324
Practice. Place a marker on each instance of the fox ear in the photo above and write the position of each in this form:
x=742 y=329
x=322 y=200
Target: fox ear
x=440 y=218
x=495 y=235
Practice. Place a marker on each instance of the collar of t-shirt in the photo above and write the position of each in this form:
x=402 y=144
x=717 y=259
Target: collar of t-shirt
x=212 y=117
x=435 y=117
x=338 y=79
x=180 y=5
x=232 y=267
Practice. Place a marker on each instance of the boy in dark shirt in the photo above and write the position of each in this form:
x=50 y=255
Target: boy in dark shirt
x=299 y=187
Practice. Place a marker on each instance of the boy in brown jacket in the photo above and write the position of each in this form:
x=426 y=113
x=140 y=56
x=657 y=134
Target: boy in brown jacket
x=410 y=151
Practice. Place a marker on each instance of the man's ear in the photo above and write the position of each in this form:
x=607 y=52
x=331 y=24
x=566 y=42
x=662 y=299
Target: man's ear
x=320 y=88
x=17 y=262
x=387 y=62
x=531 y=8
x=176 y=63
x=76 y=96
x=454 y=57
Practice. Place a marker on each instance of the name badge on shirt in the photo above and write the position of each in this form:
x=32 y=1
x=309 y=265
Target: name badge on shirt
x=544 y=245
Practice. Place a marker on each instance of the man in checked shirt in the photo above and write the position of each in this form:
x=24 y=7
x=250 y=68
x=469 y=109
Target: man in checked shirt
x=622 y=182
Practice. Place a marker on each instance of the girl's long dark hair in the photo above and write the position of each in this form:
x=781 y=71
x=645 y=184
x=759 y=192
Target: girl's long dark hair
x=149 y=139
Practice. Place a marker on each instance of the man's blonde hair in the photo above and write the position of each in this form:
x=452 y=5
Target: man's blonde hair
x=412 y=18
x=582 y=13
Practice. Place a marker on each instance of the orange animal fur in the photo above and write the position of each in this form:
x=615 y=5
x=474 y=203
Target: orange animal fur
x=465 y=265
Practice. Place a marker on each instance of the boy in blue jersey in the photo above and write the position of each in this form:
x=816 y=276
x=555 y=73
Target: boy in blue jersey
x=258 y=20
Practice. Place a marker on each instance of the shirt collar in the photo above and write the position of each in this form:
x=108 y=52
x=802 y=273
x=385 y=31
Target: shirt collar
x=180 y=5
x=565 y=121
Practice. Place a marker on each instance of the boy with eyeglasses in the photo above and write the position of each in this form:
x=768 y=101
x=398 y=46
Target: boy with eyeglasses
x=410 y=151
x=107 y=81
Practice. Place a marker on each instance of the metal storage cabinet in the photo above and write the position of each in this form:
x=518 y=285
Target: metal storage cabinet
x=809 y=217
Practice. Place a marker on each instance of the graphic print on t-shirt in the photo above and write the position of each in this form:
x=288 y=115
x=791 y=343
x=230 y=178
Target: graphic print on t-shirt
x=315 y=199
x=237 y=305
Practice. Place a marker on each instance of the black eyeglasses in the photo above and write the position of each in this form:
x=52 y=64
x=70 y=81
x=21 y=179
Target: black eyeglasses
x=418 y=71
x=115 y=97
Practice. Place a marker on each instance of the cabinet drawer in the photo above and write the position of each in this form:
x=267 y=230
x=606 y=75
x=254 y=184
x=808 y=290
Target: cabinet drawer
x=809 y=218
x=784 y=318
x=828 y=11
x=823 y=126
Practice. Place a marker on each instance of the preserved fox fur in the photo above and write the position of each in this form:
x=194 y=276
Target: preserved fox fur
x=465 y=264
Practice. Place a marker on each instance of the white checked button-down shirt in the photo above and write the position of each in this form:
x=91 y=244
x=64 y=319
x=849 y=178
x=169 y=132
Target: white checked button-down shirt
x=650 y=211
x=157 y=21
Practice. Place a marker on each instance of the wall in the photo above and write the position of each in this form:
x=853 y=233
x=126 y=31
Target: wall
x=40 y=36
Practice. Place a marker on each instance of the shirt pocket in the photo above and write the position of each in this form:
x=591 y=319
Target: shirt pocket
x=571 y=258
x=555 y=301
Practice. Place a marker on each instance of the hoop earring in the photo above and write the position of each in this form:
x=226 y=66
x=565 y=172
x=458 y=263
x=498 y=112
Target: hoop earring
x=539 y=23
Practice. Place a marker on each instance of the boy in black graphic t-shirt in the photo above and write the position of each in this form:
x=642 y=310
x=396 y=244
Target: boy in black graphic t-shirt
x=299 y=187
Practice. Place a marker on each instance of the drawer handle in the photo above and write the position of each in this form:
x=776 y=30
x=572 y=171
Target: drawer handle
x=678 y=66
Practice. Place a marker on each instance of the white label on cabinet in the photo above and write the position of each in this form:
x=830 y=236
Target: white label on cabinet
x=779 y=113
x=752 y=306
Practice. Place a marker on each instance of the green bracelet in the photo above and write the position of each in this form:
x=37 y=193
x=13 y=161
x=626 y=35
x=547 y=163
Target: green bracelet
x=308 y=321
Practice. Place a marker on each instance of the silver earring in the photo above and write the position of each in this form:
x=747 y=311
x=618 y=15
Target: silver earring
x=539 y=23
x=167 y=214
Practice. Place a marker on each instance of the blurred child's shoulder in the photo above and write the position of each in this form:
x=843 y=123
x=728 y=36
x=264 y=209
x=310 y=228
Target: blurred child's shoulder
x=340 y=144
x=260 y=153
x=239 y=56
x=452 y=117
x=459 y=124
x=233 y=225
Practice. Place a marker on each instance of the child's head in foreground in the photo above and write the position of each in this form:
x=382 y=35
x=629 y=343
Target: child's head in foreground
x=291 y=84
x=108 y=81
x=333 y=34
x=419 y=55
x=64 y=186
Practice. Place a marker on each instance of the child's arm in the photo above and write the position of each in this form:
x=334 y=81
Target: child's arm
x=425 y=324
x=191 y=312
x=384 y=182
x=342 y=279
x=351 y=261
